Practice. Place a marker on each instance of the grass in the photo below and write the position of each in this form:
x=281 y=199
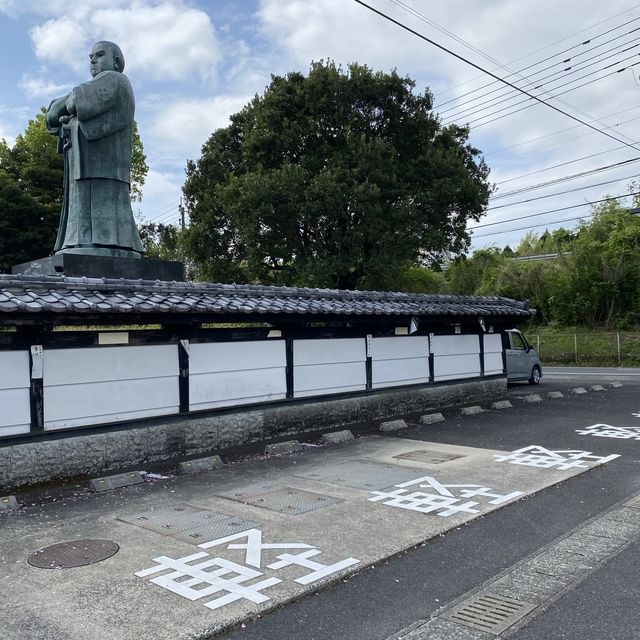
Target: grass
x=582 y=347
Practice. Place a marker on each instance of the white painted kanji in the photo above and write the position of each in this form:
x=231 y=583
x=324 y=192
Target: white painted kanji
x=203 y=582
x=609 y=431
x=199 y=575
x=443 y=500
x=318 y=572
x=563 y=460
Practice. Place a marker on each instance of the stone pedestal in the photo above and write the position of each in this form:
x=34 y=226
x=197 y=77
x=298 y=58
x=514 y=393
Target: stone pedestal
x=95 y=266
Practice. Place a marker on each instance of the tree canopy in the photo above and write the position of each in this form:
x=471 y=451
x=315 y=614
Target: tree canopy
x=338 y=178
x=31 y=187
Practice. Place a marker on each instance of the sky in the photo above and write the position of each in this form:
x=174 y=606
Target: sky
x=193 y=63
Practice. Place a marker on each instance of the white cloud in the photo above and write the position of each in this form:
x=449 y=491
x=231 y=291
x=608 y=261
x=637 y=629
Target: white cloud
x=182 y=127
x=35 y=87
x=164 y=40
x=162 y=192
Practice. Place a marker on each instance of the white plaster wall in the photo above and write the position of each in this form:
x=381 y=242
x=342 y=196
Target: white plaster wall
x=399 y=360
x=109 y=384
x=329 y=366
x=15 y=411
x=493 y=363
x=223 y=374
x=456 y=356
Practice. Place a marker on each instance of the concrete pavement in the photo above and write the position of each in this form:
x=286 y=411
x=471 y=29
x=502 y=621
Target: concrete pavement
x=200 y=554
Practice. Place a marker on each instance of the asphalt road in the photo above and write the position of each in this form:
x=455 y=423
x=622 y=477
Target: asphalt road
x=384 y=601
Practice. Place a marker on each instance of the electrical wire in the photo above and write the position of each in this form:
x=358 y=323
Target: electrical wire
x=560 y=76
x=547 y=68
x=562 y=193
x=574 y=176
x=544 y=213
x=491 y=74
x=553 y=44
x=527 y=102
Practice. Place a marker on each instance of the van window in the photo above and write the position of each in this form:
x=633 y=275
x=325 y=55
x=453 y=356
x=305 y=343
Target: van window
x=517 y=341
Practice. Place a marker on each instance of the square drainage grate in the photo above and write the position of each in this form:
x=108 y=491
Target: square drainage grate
x=428 y=456
x=282 y=499
x=189 y=524
x=488 y=612
x=362 y=474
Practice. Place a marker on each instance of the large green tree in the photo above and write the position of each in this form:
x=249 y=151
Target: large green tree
x=34 y=167
x=338 y=178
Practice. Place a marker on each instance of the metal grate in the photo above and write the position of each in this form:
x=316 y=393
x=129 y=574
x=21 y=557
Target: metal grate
x=428 y=456
x=190 y=524
x=76 y=553
x=362 y=474
x=489 y=612
x=287 y=500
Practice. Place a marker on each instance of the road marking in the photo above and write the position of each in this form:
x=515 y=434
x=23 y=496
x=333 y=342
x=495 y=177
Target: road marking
x=609 y=431
x=196 y=581
x=563 y=460
x=439 y=499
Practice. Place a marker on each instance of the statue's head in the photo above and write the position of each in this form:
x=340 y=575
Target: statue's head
x=105 y=56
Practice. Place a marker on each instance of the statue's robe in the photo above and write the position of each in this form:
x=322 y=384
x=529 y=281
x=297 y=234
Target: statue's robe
x=97 y=144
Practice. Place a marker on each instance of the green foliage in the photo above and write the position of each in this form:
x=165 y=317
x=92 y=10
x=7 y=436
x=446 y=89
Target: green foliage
x=26 y=225
x=478 y=275
x=162 y=241
x=32 y=173
x=421 y=280
x=334 y=179
x=594 y=281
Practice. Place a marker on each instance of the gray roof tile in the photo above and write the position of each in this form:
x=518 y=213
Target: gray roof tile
x=59 y=294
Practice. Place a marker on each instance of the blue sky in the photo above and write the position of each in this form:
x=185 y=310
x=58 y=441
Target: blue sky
x=193 y=63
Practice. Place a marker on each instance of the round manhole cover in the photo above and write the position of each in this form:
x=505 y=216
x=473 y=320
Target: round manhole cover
x=76 y=553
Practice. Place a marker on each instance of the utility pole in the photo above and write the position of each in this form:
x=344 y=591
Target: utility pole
x=181 y=210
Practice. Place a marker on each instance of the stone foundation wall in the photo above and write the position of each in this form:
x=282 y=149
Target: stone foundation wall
x=94 y=454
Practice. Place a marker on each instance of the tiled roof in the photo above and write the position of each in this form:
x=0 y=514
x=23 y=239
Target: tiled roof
x=50 y=295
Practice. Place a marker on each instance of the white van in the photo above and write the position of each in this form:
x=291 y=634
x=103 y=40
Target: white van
x=522 y=359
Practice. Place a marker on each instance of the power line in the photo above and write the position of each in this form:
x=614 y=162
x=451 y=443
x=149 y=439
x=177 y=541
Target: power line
x=559 y=76
x=581 y=174
x=489 y=73
x=551 y=66
x=527 y=103
x=543 y=213
x=562 y=193
x=553 y=44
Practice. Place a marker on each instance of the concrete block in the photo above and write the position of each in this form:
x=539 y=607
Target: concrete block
x=555 y=395
x=533 y=397
x=201 y=464
x=337 y=437
x=280 y=448
x=431 y=418
x=106 y=483
x=8 y=503
x=393 y=425
x=579 y=391
x=597 y=387
x=471 y=411
x=501 y=404
x=616 y=385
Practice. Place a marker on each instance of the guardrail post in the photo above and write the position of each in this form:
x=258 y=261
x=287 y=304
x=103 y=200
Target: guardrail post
x=618 y=345
x=575 y=346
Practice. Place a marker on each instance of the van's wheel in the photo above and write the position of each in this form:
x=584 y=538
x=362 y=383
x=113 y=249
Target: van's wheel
x=535 y=375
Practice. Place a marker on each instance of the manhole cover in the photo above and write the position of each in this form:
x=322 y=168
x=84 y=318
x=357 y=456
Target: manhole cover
x=489 y=612
x=76 y=553
x=428 y=456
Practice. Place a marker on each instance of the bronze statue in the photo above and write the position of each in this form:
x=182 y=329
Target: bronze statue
x=94 y=124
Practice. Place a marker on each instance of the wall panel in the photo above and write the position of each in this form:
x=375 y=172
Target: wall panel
x=15 y=410
x=399 y=361
x=225 y=374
